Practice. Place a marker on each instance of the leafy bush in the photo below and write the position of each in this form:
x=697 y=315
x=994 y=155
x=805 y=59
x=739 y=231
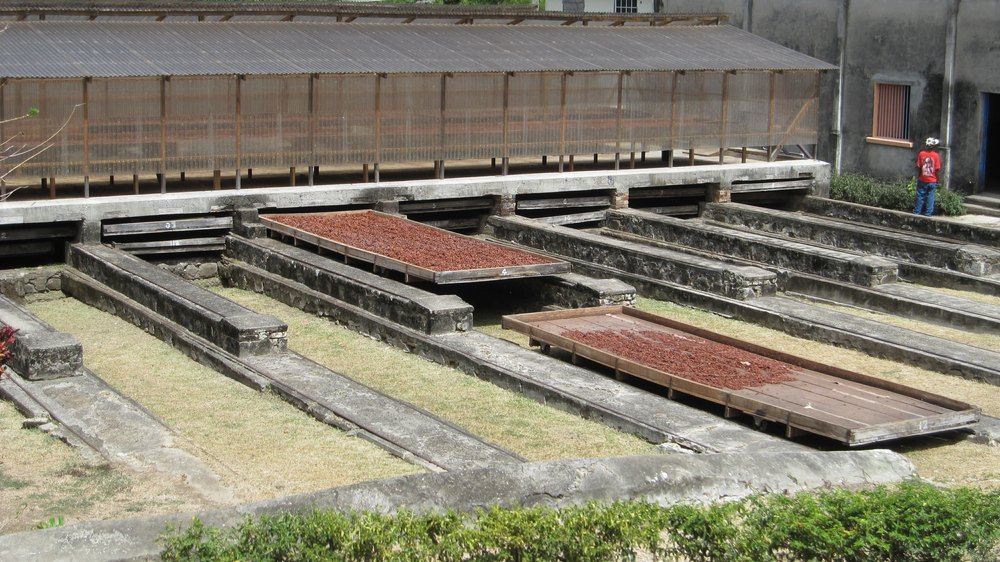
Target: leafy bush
x=898 y=195
x=914 y=522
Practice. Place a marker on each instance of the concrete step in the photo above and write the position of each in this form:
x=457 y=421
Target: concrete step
x=953 y=228
x=985 y=210
x=758 y=248
x=734 y=281
x=902 y=299
x=986 y=199
x=936 y=252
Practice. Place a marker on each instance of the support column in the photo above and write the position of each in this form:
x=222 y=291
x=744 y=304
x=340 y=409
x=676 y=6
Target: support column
x=506 y=124
x=239 y=131
x=948 y=103
x=86 y=137
x=507 y=205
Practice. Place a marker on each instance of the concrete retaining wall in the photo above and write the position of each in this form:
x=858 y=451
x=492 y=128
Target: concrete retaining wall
x=739 y=282
x=39 y=351
x=232 y=327
x=899 y=220
x=966 y=258
x=863 y=270
x=412 y=307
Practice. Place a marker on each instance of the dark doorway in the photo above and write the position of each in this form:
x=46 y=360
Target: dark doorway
x=989 y=166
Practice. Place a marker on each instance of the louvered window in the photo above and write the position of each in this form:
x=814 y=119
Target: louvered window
x=891 y=119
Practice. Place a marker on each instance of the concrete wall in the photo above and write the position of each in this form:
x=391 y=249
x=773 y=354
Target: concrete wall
x=901 y=41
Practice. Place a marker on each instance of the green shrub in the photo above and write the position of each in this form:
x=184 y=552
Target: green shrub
x=914 y=522
x=898 y=195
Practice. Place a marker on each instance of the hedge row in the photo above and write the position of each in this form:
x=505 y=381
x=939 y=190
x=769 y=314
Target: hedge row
x=899 y=195
x=912 y=522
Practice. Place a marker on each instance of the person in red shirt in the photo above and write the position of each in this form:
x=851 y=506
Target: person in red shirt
x=928 y=166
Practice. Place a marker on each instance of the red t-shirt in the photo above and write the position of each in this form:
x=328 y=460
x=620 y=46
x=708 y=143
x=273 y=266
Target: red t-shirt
x=928 y=162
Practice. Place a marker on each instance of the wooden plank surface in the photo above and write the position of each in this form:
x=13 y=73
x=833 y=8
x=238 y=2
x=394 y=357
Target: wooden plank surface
x=849 y=407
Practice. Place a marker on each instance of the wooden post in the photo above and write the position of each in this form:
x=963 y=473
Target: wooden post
x=618 y=125
x=312 y=128
x=163 y=130
x=378 y=125
x=291 y=176
x=673 y=119
x=506 y=122
x=439 y=165
x=239 y=130
x=86 y=137
x=770 y=113
x=135 y=184
x=216 y=179
x=562 y=119
x=724 y=132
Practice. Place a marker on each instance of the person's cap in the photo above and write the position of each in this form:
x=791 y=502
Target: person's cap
x=931 y=142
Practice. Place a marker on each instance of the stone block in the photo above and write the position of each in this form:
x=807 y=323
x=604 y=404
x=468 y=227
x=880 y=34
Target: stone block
x=39 y=351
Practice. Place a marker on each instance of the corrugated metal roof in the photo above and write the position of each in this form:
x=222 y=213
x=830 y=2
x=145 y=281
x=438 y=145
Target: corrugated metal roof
x=122 y=49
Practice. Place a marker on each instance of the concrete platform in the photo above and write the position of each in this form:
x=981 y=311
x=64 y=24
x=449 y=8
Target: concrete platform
x=400 y=303
x=734 y=281
x=39 y=351
x=931 y=251
x=758 y=248
x=232 y=327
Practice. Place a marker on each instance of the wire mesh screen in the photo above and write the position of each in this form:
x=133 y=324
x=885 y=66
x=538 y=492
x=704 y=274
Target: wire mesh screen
x=201 y=123
x=344 y=119
x=748 y=97
x=123 y=118
x=698 y=110
x=592 y=113
x=534 y=114
x=410 y=118
x=473 y=128
x=222 y=122
x=796 y=111
x=647 y=111
x=274 y=121
x=40 y=145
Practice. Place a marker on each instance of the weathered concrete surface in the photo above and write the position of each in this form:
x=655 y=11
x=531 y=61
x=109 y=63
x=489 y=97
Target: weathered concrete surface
x=95 y=209
x=735 y=281
x=410 y=432
x=545 y=379
x=899 y=220
x=403 y=304
x=901 y=299
x=881 y=339
x=937 y=277
x=664 y=480
x=400 y=428
x=759 y=248
x=232 y=327
x=572 y=290
x=963 y=257
x=39 y=351
x=121 y=431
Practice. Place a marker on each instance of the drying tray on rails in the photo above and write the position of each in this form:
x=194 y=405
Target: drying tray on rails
x=416 y=250
x=805 y=396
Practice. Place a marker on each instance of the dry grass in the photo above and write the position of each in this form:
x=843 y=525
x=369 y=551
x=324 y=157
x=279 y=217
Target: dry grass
x=510 y=420
x=260 y=446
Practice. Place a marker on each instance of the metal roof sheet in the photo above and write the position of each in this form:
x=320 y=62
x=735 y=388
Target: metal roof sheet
x=131 y=49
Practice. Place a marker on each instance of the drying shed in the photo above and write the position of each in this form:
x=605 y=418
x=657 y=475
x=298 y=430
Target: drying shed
x=140 y=97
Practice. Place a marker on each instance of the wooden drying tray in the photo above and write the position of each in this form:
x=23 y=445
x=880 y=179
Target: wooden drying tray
x=411 y=271
x=849 y=407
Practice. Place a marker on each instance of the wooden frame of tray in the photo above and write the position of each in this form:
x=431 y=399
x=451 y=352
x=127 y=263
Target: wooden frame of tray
x=849 y=407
